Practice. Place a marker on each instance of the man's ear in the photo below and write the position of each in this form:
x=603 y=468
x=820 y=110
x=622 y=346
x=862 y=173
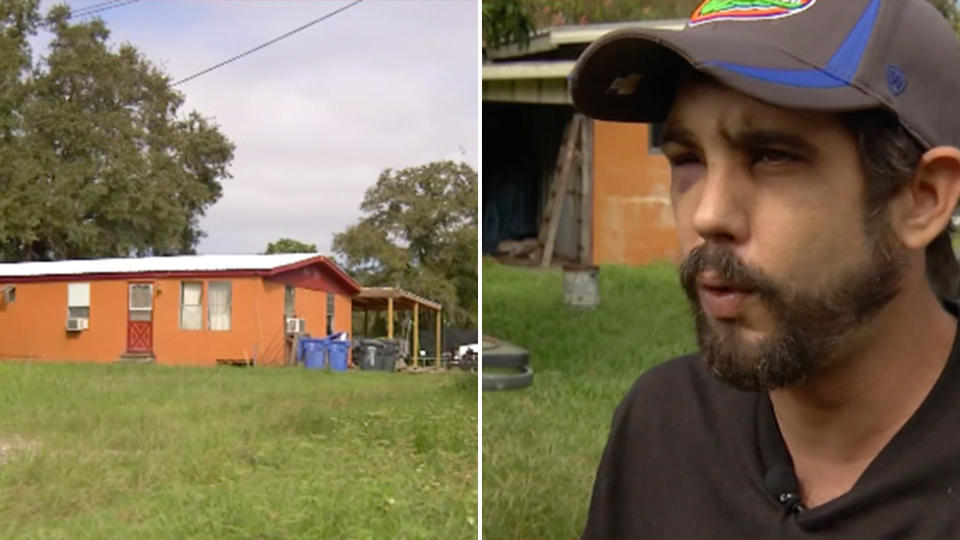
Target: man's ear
x=922 y=209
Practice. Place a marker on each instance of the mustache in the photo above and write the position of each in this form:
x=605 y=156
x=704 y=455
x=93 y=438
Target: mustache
x=721 y=259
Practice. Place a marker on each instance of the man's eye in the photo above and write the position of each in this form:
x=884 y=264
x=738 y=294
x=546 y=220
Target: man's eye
x=683 y=159
x=774 y=156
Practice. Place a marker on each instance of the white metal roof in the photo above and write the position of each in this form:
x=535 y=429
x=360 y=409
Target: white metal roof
x=550 y=69
x=181 y=263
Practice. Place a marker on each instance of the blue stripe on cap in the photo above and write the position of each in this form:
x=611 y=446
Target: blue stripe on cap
x=839 y=70
x=804 y=78
x=846 y=60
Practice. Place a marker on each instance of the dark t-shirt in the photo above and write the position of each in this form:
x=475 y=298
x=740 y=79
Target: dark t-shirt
x=688 y=455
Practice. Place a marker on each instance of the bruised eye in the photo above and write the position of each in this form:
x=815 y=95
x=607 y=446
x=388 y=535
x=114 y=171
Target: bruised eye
x=772 y=156
x=685 y=170
x=683 y=159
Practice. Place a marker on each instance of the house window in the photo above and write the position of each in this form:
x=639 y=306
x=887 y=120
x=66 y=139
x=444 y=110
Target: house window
x=329 y=313
x=141 y=301
x=191 y=305
x=78 y=300
x=289 y=297
x=656 y=138
x=219 y=305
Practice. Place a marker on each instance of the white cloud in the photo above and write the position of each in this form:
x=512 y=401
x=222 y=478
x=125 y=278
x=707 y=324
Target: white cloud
x=317 y=116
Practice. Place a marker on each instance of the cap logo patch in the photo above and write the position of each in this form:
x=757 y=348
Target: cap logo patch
x=625 y=86
x=896 y=80
x=747 y=10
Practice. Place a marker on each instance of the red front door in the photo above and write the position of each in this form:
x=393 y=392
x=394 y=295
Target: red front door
x=140 y=318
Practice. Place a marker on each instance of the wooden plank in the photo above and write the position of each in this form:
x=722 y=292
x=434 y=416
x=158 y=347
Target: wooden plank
x=558 y=193
x=389 y=318
x=416 y=334
x=439 y=339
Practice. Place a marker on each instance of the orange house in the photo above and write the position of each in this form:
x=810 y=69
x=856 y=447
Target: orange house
x=184 y=310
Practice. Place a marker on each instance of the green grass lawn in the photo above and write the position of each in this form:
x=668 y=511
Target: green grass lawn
x=541 y=445
x=119 y=451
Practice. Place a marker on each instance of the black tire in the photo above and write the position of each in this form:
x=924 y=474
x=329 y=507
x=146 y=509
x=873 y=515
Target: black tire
x=508 y=381
x=514 y=361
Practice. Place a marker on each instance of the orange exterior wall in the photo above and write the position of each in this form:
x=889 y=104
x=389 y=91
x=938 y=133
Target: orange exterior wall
x=343 y=314
x=248 y=324
x=632 y=218
x=271 y=335
x=311 y=306
x=32 y=327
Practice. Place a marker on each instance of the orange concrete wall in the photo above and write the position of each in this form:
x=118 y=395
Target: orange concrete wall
x=311 y=306
x=250 y=323
x=273 y=334
x=632 y=217
x=32 y=327
x=343 y=314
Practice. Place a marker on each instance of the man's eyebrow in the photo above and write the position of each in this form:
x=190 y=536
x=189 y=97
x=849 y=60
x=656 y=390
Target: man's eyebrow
x=758 y=138
x=748 y=138
x=674 y=133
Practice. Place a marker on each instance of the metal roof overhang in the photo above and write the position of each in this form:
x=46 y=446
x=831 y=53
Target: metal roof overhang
x=550 y=39
x=528 y=82
x=508 y=78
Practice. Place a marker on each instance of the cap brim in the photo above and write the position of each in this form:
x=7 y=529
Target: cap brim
x=631 y=75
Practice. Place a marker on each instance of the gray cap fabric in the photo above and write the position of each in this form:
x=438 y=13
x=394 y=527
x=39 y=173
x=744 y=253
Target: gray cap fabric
x=829 y=55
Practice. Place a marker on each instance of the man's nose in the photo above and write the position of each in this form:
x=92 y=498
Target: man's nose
x=722 y=212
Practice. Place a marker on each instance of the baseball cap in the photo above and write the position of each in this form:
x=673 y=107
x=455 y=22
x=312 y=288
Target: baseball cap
x=824 y=55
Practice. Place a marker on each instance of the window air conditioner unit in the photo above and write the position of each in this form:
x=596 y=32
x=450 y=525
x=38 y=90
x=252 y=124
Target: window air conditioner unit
x=76 y=324
x=296 y=326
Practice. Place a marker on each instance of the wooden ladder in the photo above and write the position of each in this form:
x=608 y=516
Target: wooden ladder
x=550 y=222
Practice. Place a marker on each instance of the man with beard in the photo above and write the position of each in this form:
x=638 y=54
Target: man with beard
x=813 y=147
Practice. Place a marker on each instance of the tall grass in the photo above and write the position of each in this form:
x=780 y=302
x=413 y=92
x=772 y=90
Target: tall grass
x=116 y=451
x=541 y=445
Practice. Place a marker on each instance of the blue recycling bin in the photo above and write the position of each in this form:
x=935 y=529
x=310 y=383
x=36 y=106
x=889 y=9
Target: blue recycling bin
x=338 y=350
x=314 y=353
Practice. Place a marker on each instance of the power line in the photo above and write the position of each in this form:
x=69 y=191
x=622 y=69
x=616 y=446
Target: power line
x=268 y=43
x=91 y=11
x=80 y=11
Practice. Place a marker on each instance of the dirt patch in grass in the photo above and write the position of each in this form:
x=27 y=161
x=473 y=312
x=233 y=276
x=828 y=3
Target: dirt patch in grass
x=11 y=447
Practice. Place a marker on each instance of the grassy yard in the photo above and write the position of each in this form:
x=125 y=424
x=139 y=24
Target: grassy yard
x=541 y=445
x=114 y=451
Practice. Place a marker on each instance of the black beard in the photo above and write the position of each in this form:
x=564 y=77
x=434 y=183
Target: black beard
x=809 y=328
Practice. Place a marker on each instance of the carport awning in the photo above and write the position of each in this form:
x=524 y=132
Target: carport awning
x=390 y=299
x=377 y=298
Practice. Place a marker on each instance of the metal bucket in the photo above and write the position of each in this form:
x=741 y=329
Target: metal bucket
x=581 y=286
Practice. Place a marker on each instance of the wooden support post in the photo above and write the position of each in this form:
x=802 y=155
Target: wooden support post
x=585 y=249
x=389 y=318
x=439 y=339
x=416 y=333
x=366 y=324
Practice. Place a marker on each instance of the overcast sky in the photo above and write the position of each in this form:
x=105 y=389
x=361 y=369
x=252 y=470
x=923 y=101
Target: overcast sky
x=315 y=117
